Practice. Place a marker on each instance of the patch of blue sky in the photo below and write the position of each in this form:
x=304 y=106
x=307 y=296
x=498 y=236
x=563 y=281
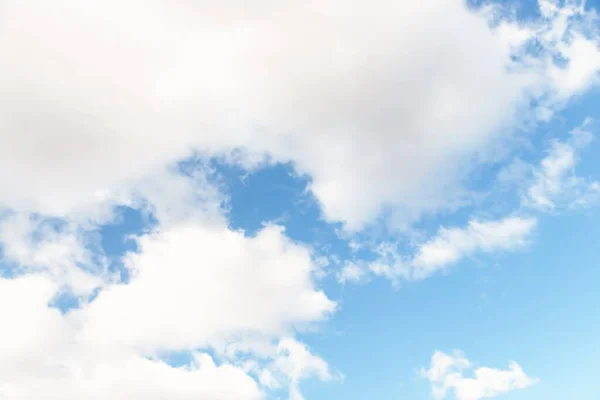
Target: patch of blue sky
x=117 y=237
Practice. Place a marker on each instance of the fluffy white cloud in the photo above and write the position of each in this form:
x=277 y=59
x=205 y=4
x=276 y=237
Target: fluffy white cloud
x=452 y=244
x=191 y=287
x=95 y=96
x=194 y=284
x=555 y=181
x=43 y=357
x=446 y=373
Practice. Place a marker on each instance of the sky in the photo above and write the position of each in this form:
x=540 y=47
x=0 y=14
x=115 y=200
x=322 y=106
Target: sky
x=299 y=200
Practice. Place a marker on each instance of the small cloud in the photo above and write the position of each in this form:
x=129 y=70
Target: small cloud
x=447 y=374
x=351 y=272
x=555 y=183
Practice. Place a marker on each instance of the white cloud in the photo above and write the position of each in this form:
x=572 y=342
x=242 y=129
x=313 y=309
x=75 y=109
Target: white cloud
x=32 y=244
x=577 y=47
x=43 y=358
x=195 y=284
x=583 y=67
x=295 y=363
x=555 y=182
x=191 y=288
x=452 y=244
x=350 y=272
x=446 y=373
x=94 y=97
x=173 y=196
x=551 y=178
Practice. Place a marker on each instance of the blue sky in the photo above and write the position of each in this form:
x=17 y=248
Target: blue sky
x=332 y=200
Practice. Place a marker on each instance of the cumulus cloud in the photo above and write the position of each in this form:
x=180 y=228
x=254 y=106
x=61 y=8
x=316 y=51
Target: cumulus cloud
x=94 y=96
x=190 y=288
x=447 y=373
x=229 y=283
x=44 y=358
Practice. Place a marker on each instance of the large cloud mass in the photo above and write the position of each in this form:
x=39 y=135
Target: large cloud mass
x=359 y=95
x=191 y=287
